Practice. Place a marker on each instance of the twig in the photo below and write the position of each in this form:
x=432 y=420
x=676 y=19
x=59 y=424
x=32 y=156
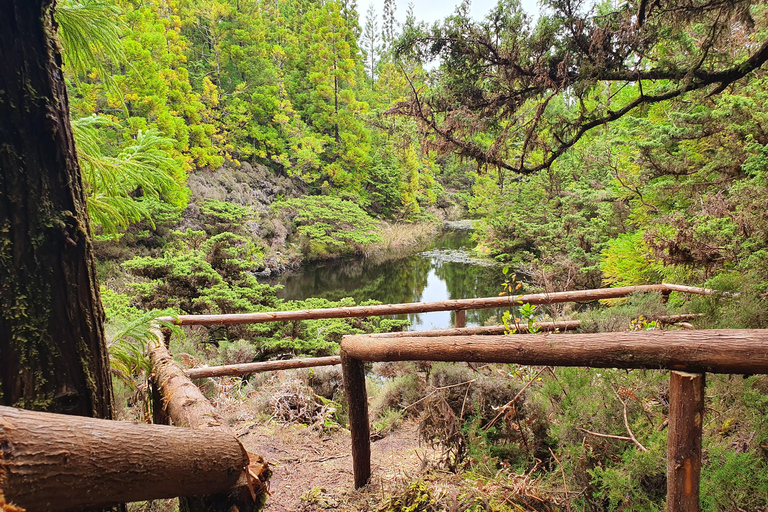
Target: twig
x=506 y=406
x=436 y=390
x=461 y=415
x=609 y=436
x=626 y=424
x=565 y=485
x=324 y=459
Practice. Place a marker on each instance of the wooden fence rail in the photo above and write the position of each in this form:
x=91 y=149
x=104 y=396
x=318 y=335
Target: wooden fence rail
x=721 y=351
x=426 y=307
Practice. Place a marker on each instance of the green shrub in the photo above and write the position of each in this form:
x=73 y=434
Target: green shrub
x=221 y=216
x=327 y=226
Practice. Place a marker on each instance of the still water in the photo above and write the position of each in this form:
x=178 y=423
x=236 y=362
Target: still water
x=447 y=269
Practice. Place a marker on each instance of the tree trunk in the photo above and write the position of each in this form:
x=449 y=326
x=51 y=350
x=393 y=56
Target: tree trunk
x=52 y=351
x=55 y=462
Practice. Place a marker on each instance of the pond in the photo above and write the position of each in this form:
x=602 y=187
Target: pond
x=446 y=269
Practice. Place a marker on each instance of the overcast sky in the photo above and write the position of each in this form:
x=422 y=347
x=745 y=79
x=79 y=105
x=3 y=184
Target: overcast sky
x=434 y=10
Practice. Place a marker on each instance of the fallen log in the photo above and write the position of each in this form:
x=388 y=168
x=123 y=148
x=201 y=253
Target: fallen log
x=186 y=406
x=425 y=307
x=718 y=351
x=266 y=366
x=58 y=462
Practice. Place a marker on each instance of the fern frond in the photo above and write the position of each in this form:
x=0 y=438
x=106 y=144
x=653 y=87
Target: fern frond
x=88 y=30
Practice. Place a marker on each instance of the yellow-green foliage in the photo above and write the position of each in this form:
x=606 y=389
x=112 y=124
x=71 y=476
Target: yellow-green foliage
x=627 y=261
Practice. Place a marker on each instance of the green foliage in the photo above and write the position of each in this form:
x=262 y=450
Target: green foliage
x=221 y=216
x=726 y=467
x=113 y=184
x=128 y=330
x=627 y=261
x=90 y=31
x=327 y=226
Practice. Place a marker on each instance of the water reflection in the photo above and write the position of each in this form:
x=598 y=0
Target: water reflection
x=446 y=270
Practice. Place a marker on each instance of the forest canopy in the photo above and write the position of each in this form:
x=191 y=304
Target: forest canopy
x=516 y=95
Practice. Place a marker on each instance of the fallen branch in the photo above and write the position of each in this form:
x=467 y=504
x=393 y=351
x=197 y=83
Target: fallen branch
x=436 y=390
x=565 y=484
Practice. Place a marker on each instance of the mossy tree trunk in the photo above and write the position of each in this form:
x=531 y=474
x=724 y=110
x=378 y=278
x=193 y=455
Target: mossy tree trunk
x=53 y=355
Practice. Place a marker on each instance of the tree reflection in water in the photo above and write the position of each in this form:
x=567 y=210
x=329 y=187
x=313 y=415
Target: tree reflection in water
x=446 y=270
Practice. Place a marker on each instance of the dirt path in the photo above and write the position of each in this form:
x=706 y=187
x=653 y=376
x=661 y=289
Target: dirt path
x=313 y=471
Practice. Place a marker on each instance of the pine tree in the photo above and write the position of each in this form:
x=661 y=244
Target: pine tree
x=389 y=24
x=370 y=42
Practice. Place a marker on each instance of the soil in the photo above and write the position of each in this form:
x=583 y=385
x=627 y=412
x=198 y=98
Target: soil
x=312 y=470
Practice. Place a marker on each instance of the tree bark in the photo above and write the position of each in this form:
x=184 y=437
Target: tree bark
x=52 y=351
x=461 y=319
x=686 y=416
x=717 y=351
x=56 y=462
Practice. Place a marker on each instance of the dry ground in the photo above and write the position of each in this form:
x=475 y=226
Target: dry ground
x=313 y=470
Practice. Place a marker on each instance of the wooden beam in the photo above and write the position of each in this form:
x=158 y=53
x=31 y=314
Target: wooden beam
x=186 y=406
x=563 y=325
x=59 y=462
x=718 y=351
x=425 y=307
x=686 y=415
x=359 y=427
x=266 y=366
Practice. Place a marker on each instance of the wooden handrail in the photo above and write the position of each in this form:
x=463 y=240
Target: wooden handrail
x=266 y=366
x=717 y=351
x=723 y=351
x=426 y=307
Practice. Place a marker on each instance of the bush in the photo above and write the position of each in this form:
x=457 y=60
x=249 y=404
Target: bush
x=328 y=227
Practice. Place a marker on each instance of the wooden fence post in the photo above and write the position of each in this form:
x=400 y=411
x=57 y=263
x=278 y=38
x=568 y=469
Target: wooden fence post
x=357 y=401
x=686 y=415
x=461 y=318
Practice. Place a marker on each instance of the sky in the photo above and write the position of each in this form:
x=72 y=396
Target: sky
x=434 y=10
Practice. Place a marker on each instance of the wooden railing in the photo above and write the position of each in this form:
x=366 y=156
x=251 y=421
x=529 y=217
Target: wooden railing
x=719 y=351
x=458 y=305
x=688 y=353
